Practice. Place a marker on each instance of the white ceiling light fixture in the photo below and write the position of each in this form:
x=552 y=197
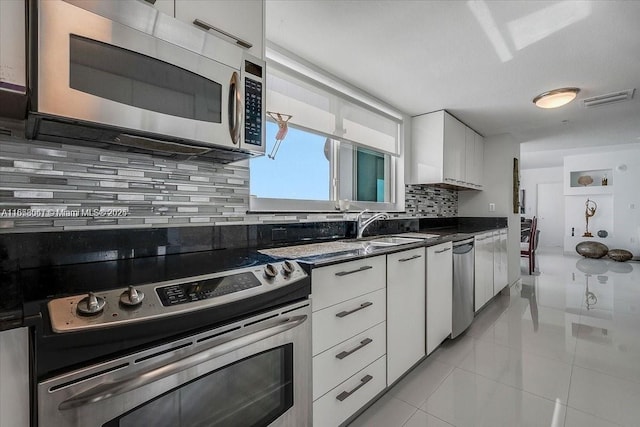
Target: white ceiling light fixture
x=556 y=98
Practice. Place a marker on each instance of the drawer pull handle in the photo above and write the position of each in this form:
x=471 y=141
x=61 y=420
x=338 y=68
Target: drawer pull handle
x=363 y=343
x=205 y=26
x=444 y=250
x=342 y=396
x=346 y=313
x=363 y=268
x=410 y=258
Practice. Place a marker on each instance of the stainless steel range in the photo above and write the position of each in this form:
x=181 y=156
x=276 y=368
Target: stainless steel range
x=224 y=349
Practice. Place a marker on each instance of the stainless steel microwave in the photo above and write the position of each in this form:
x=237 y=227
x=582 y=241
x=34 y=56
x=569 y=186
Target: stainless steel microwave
x=121 y=75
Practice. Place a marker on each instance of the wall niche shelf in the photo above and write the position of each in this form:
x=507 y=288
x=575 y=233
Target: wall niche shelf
x=598 y=177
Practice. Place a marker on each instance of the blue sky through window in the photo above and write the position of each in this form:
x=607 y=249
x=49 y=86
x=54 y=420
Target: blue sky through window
x=300 y=170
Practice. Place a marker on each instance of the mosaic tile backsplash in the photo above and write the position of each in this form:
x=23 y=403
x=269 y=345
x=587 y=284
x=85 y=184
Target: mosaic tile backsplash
x=55 y=187
x=431 y=202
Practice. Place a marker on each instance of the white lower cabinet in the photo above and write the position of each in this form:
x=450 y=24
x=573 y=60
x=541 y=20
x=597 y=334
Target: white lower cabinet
x=500 y=261
x=483 y=269
x=335 y=324
x=439 y=294
x=349 y=337
x=14 y=378
x=405 y=311
x=349 y=396
x=337 y=364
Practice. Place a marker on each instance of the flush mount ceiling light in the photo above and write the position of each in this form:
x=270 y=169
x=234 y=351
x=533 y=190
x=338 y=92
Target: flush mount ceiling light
x=556 y=98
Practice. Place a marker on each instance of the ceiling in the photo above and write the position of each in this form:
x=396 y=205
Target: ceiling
x=483 y=61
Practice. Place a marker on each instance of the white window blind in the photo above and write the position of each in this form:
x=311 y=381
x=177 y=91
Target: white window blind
x=326 y=112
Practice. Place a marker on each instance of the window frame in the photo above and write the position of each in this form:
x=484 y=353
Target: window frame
x=395 y=165
x=268 y=204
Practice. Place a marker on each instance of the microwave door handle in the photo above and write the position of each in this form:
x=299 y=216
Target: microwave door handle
x=235 y=108
x=234 y=342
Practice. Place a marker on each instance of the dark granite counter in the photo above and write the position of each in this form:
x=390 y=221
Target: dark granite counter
x=38 y=266
x=445 y=235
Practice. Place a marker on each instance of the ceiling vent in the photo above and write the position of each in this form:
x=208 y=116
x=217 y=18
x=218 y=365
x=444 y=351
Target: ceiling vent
x=609 y=98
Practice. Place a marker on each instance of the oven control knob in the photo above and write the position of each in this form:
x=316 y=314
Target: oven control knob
x=91 y=305
x=131 y=297
x=270 y=271
x=288 y=267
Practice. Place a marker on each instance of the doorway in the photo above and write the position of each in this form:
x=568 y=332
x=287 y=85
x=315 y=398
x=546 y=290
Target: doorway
x=550 y=212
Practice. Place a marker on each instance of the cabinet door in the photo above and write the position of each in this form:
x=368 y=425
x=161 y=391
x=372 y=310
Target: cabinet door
x=347 y=398
x=427 y=155
x=454 y=150
x=497 y=264
x=478 y=158
x=14 y=378
x=439 y=294
x=470 y=160
x=166 y=6
x=243 y=19
x=405 y=311
x=500 y=260
x=483 y=269
x=338 y=283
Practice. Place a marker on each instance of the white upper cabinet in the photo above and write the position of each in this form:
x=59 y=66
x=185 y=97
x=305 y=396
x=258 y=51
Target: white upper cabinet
x=454 y=170
x=474 y=159
x=445 y=151
x=243 y=20
x=166 y=6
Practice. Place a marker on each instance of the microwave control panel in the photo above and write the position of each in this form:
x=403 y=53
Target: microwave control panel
x=252 y=112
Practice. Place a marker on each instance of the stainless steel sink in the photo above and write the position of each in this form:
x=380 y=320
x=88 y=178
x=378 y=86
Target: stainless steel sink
x=339 y=247
x=392 y=241
x=421 y=236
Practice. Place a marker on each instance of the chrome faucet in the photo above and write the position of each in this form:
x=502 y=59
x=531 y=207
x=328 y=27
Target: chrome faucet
x=364 y=223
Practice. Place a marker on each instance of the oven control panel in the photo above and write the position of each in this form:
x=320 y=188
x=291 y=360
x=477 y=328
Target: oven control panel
x=199 y=290
x=154 y=300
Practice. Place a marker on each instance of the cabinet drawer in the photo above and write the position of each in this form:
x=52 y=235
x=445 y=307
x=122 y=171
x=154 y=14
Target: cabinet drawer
x=340 y=282
x=330 y=410
x=335 y=365
x=342 y=321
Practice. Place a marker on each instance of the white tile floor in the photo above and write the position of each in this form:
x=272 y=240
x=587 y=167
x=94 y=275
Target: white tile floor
x=543 y=356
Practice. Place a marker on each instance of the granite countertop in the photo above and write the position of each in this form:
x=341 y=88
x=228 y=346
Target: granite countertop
x=23 y=291
x=329 y=253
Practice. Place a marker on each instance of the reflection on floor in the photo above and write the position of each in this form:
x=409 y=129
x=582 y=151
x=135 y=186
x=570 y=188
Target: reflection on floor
x=562 y=350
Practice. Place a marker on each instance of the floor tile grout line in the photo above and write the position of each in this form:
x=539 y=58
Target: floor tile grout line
x=409 y=419
x=505 y=385
x=597 y=417
x=439 y=384
x=514 y=387
x=437 y=387
x=435 y=416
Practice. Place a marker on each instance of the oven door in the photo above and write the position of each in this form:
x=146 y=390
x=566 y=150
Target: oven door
x=256 y=372
x=123 y=64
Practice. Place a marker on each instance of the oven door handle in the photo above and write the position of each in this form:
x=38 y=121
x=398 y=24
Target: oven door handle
x=132 y=382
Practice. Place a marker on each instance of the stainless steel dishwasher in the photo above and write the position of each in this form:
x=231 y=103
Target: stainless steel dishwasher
x=463 y=282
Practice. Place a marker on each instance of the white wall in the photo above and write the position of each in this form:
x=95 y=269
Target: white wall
x=618 y=207
x=499 y=152
x=529 y=180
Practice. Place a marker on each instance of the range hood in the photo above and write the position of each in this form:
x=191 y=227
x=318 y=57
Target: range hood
x=60 y=130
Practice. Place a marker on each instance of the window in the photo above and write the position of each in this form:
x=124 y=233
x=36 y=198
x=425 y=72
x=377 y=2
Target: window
x=336 y=148
x=301 y=169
